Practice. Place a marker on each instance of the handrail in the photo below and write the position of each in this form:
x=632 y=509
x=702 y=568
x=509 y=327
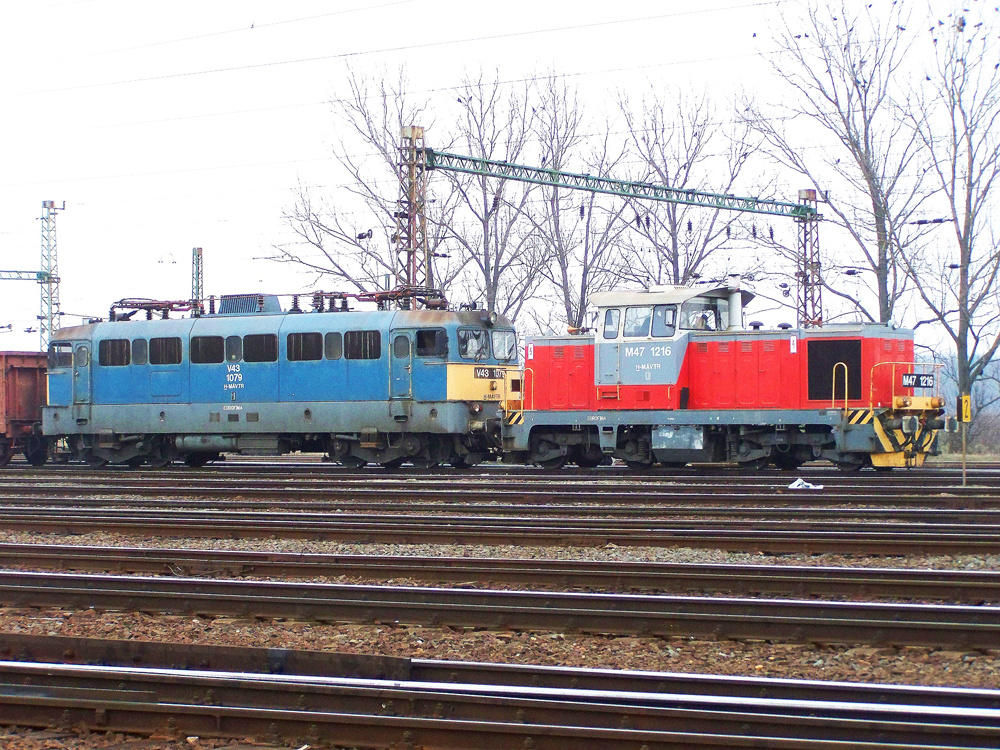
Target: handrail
x=892 y=392
x=833 y=386
x=523 y=381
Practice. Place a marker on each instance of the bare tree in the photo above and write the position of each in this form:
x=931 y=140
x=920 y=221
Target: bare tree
x=347 y=237
x=843 y=70
x=579 y=230
x=677 y=142
x=957 y=119
x=490 y=230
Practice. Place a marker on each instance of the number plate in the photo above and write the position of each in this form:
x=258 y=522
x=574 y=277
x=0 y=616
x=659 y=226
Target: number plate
x=915 y=380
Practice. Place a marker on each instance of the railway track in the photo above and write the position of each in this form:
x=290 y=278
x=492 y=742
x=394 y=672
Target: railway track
x=458 y=705
x=734 y=534
x=952 y=626
x=501 y=486
x=745 y=580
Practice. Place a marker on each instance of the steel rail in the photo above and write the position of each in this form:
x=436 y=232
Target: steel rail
x=548 y=714
x=736 y=535
x=534 y=493
x=403 y=506
x=973 y=587
x=771 y=619
x=62 y=649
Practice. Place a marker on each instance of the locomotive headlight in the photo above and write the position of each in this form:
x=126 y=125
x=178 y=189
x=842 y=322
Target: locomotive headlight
x=475 y=408
x=937 y=402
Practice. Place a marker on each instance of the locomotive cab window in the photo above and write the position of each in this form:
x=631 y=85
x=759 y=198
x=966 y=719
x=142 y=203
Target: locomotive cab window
x=637 y=321
x=363 y=345
x=664 y=321
x=165 y=351
x=207 y=350
x=60 y=355
x=432 y=342
x=140 y=351
x=113 y=353
x=234 y=348
x=260 y=347
x=611 y=319
x=473 y=344
x=305 y=347
x=505 y=345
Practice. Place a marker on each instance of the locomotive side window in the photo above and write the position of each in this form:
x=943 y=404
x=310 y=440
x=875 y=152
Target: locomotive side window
x=60 y=355
x=664 y=320
x=165 y=351
x=505 y=345
x=472 y=343
x=827 y=360
x=637 y=321
x=432 y=342
x=363 y=345
x=305 y=347
x=140 y=351
x=611 y=319
x=113 y=353
x=206 y=350
x=234 y=348
x=334 y=345
x=260 y=347
x=705 y=315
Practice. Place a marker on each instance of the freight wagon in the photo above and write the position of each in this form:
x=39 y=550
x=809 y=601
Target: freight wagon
x=22 y=395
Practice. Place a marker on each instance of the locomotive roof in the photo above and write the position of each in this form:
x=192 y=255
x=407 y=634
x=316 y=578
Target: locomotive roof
x=674 y=295
x=297 y=321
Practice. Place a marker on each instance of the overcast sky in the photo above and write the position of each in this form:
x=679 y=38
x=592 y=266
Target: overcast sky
x=173 y=125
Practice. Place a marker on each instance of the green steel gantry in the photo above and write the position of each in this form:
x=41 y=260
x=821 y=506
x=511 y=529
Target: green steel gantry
x=805 y=213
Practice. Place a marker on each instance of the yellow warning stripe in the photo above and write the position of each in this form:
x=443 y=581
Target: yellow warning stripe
x=515 y=417
x=860 y=416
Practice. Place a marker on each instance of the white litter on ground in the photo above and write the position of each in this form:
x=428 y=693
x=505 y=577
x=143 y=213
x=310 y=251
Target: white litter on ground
x=802 y=484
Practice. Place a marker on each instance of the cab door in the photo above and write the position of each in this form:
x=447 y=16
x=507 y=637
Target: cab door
x=82 y=356
x=401 y=375
x=609 y=349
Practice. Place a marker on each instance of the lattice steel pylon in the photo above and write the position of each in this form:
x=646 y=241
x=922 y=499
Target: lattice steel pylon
x=809 y=270
x=48 y=278
x=416 y=273
x=197 y=282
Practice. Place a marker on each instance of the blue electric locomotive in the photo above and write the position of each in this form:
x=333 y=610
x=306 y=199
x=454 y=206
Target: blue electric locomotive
x=383 y=386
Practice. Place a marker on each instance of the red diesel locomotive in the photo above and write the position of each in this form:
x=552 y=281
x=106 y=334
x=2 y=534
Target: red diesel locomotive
x=671 y=377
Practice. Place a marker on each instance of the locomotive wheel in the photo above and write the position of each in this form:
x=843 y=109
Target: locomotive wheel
x=392 y=464
x=786 y=462
x=37 y=452
x=554 y=463
x=352 y=462
x=639 y=465
x=197 y=460
x=758 y=463
x=849 y=466
x=6 y=452
x=587 y=458
x=136 y=462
